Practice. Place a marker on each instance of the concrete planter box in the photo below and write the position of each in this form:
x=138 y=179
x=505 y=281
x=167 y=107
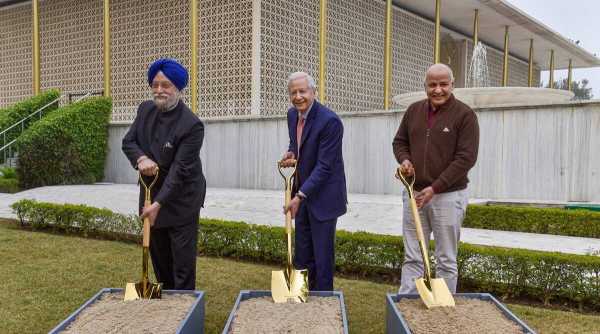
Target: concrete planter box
x=396 y=324
x=192 y=323
x=249 y=294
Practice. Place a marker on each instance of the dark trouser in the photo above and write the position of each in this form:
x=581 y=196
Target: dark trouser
x=315 y=249
x=173 y=251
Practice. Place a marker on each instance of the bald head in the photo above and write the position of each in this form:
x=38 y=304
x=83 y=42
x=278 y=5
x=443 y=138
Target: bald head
x=439 y=83
x=439 y=69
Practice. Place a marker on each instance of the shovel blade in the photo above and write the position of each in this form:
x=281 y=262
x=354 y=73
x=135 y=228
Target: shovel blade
x=134 y=291
x=439 y=295
x=130 y=292
x=279 y=287
x=294 y=288
x=299 y=284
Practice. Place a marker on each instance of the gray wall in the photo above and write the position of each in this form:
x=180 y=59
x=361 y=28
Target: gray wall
x=546 y=152
x=539 y=152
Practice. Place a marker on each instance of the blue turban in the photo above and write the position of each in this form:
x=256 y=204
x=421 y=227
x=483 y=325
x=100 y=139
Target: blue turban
x=173 y=70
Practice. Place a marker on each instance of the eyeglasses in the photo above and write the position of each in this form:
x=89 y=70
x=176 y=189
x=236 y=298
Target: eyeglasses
x=162 y=84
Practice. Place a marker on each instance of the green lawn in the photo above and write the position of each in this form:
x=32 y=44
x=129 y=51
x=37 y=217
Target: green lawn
x=45 y=277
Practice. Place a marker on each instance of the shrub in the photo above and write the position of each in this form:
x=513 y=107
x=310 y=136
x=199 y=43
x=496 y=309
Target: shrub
x=67 y=147
x=8 y=180
x=76 y=218
x=20 y=110
x=508 y=272
x=8 y=173
x=576 y=223
x=10 y=186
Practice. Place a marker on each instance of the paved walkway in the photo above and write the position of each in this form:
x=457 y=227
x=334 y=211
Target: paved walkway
x=372 y=213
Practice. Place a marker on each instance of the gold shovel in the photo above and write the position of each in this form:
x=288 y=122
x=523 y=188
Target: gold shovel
x=289 y=284
x=433 y=291
x=144 y=289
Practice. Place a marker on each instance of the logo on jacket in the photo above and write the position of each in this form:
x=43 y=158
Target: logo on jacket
x=446 y=130
x=168 y=145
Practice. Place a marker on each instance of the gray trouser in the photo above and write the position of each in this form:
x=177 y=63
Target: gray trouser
x=443 y=216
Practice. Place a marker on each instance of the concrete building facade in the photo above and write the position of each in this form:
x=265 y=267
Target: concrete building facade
x=246 y=50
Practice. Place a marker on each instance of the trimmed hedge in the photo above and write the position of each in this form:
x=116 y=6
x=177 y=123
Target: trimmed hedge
x=8 y=180
x=576 y=223
x=20 y=110
x=507 y=272
x=66 y=147
x=75 y=218
x=10 y=186
x=8 y=173
x=357 y=253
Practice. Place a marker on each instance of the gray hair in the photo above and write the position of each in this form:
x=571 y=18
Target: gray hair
x=302 y=75
x=440 y=65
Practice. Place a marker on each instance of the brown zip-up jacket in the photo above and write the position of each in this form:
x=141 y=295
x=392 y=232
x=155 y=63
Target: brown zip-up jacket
x=443 y=154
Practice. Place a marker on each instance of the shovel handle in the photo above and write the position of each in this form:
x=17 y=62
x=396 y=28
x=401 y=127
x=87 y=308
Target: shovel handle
x=146 y=229
x=286 y=163
x=281 y=165
x=147 y=202
x=288 y=178
x=146 y=234
x=288 y=215
x=408 y=182
x=421 y=238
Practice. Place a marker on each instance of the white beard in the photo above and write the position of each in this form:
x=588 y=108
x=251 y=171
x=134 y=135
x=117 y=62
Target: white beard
x=166 y=105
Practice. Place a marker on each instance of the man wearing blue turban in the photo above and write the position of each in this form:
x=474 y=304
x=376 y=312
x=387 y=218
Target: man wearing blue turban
x=166 y=138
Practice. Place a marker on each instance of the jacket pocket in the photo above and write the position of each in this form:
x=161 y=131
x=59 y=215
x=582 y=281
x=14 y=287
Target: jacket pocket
x=167 y=153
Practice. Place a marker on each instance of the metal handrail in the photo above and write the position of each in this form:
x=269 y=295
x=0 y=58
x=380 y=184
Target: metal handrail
x=7 y=145
x=71 y=96
x=83 y=97
x=30 y=115
x=22 y=122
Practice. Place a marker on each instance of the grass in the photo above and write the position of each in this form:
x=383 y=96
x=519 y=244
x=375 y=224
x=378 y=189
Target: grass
x=45 y=277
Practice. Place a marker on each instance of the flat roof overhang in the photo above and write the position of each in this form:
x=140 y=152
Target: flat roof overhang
x=4 y=3
x=494 y=15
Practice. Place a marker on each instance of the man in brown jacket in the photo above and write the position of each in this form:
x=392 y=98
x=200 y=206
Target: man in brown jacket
x=437 y=141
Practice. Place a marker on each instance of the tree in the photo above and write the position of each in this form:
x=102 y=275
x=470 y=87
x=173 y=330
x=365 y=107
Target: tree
x=580 y=88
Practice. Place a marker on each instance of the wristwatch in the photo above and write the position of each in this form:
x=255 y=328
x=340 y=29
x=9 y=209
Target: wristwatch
x=301 y=195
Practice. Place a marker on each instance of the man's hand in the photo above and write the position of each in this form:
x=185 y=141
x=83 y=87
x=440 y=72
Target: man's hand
x=286 y=159
x=151 y=212
x=406 y=168
x=293 y=206
x=147 y=166
x=424 y=196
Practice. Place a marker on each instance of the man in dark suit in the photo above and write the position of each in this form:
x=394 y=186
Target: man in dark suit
x=166 y=138
x=319 y=194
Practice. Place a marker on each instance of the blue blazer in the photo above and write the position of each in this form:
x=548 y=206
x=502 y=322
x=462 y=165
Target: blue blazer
x=320 y=173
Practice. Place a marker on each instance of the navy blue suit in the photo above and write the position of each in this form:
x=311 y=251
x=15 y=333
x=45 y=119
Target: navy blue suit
x=320 y=176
